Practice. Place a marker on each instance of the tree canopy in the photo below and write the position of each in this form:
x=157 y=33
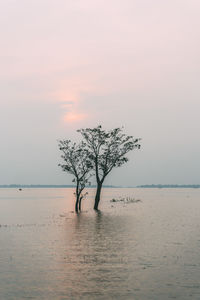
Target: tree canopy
x=107 y=150
x=99 y=151
x=77 y=163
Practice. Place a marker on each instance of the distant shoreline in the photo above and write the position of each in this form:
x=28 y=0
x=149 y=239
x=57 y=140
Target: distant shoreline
x=152 y=186
x=170 y=186
x=16 y=186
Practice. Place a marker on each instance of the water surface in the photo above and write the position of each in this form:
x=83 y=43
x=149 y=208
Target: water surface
x=144 y=250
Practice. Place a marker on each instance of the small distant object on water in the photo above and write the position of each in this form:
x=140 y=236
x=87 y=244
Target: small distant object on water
x=20 y=189
x=126 y=200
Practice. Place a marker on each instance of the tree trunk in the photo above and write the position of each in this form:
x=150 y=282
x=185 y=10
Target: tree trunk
x=77 y=197
x=98 y=194
x=80 y=202
x=76 y=205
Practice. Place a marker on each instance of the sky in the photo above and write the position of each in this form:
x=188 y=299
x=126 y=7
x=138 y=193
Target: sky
x=70 y=64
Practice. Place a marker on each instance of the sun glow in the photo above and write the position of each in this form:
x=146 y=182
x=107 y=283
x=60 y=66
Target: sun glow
x=71 y=100
x=74 y=117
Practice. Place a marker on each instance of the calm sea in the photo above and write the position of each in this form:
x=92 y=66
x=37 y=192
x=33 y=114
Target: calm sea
x=149 y=249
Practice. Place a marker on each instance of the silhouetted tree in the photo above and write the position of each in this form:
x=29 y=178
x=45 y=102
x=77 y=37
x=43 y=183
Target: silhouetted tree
x=77 y=163
x=107 y=150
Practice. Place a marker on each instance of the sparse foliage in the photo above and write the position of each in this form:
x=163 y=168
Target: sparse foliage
x=107 y=150
x=77 y=163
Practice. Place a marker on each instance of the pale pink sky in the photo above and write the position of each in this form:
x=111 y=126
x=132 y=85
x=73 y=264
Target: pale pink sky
x=79 y=63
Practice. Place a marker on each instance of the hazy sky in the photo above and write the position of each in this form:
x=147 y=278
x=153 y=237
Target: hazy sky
x=68 y=64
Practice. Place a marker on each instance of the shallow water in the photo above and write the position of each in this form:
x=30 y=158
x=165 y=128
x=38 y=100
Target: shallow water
x=144 y=250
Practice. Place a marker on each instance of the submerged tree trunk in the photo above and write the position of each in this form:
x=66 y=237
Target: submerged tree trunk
x=77 y=197
x=98 y=195
x=80 y=202
x=76 y=205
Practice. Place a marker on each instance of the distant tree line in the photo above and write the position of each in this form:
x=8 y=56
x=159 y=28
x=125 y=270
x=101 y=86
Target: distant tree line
x=160 y=186
x=97 y=154
x=32 y=186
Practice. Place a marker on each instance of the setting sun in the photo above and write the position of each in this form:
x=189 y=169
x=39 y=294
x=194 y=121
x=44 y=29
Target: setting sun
x=74 y=117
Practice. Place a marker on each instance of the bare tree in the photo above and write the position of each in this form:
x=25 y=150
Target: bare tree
x=77 y=163
x=107 y=150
